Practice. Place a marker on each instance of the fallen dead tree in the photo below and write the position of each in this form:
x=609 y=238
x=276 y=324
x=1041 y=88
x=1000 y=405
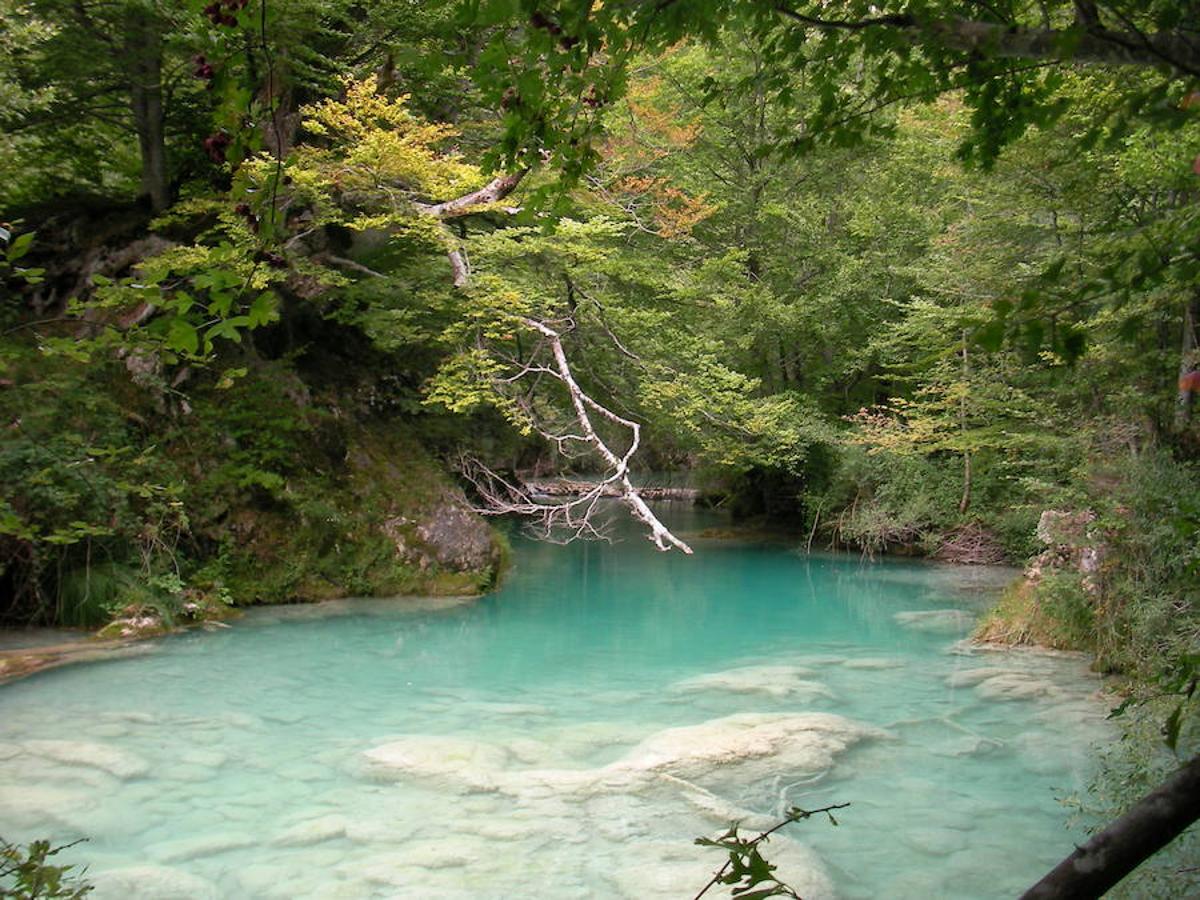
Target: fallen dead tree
x=573 y=517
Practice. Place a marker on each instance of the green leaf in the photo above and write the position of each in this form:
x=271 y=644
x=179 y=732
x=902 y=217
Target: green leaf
x=1120 y=710
x=228 y=328
x=182 y=336
x=776 y=891
x=220 y=302
x=264 y=309
x=19 y=247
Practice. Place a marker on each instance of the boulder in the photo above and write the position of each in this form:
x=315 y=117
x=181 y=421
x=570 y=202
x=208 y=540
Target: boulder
x=456 y=536
x=1064 y=530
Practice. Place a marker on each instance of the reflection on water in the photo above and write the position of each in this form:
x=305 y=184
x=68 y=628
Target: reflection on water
x=567 y=736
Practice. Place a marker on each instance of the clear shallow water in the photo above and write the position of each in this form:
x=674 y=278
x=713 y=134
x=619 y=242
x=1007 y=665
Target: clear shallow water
x=567 y=737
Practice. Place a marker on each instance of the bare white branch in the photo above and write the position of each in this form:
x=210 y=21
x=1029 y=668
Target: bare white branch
x=660 y=535
x=492 y=192
x=560 y=522
x=574 y=517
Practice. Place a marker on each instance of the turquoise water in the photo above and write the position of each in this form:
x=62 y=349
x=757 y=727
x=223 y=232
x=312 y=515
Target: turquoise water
x=567 y=736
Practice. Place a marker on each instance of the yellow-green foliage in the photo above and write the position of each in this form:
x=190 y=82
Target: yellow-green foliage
x=373 y=160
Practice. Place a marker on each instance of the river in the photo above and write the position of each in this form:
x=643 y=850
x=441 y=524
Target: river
x=568 y=736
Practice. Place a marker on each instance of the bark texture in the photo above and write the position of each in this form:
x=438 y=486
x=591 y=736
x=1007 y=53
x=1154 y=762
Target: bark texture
x=1109 y=856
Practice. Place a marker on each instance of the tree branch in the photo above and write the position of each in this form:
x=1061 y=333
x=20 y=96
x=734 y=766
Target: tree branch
x=502 y=496
x=1109 y=856
x=1091 y=44
x=742 y=848
x=582 y=403
x=492 y=192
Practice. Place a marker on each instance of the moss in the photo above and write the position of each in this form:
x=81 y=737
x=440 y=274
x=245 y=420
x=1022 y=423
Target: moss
x=279 y=485
x=1052 y=612
x=504 y=556
x=353 y=531
x=134 y=627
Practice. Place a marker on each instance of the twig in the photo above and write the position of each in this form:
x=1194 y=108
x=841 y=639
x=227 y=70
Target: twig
x=794 y=815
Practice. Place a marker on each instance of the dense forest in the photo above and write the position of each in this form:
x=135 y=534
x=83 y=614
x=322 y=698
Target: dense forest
x=291 y=287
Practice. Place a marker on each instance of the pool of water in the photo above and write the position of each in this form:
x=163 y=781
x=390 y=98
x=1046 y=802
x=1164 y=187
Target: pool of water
x=568 y=736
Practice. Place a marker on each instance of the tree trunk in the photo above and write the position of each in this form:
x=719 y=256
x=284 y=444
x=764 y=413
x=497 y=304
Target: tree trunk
x=1109 y=856
x=965 y=503
x=1189 y=365
x=787 y=362
x=145 y=51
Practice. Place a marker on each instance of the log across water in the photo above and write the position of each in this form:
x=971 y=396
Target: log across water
x=566 y=487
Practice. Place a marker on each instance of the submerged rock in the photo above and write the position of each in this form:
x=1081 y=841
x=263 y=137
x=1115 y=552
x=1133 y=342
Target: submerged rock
x=775 y=681
x=933 y=841
x=120 y=763
x=199 y=847
x=807 y=741
x=470 y=763
x=745 y=747
x=314 y=831
x=32 y=806
x=1017 y=686
x=972 y=677
x=150 y=883
x=935 y=621
x=874 y=663
x=199 y=757
x=665 y=870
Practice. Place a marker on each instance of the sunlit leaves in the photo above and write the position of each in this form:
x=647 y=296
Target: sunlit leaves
x=380 y=149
